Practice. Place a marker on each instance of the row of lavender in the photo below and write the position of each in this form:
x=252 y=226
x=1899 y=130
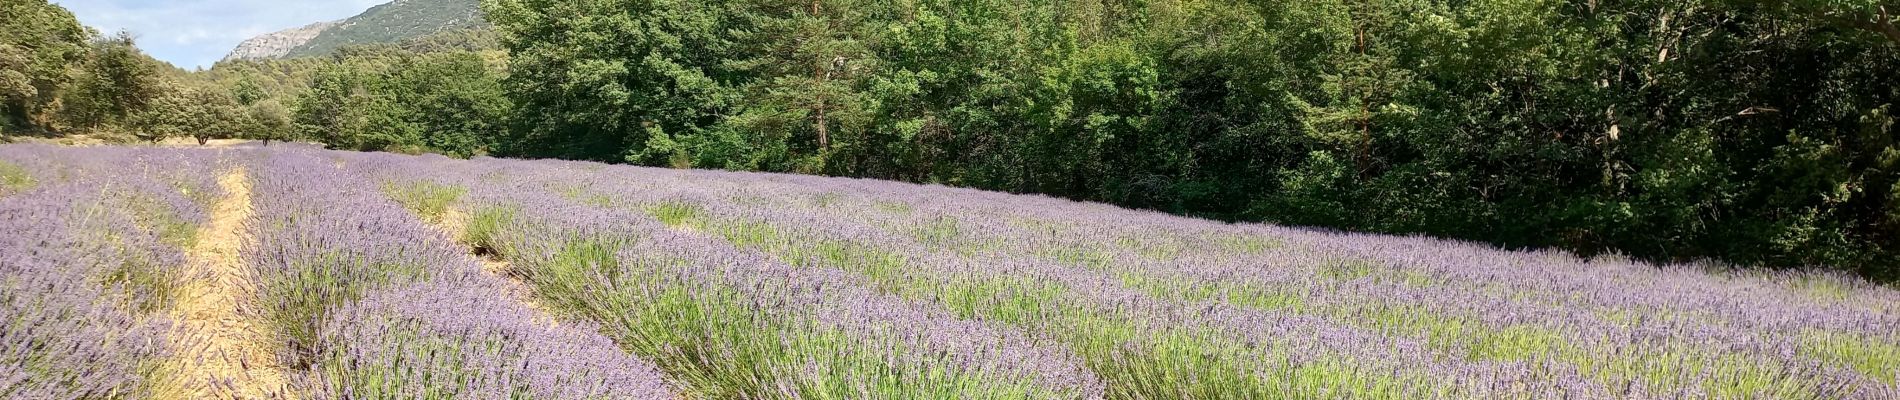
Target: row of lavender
x=92 y=245
x=362 y=301
x=1642 y=331
x=368 y=302
x=1631 y=329
x=739 y=285
x=1165 y=307
x=731 y=323
x=1142 y=345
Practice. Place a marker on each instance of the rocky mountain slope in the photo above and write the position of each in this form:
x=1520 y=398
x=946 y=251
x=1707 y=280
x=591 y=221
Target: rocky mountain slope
x=388 y=23
x=277 y=44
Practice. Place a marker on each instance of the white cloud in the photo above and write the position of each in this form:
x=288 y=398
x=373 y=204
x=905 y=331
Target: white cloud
x=199 y=33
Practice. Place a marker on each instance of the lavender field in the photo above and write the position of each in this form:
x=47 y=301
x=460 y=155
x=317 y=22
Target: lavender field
x=294 y=272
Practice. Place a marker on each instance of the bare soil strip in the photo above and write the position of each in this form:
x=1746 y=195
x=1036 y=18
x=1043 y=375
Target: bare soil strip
x=233 y=358
x=454 y=223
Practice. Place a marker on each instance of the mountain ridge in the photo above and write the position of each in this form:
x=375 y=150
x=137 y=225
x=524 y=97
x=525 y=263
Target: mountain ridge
x=385 y=23
x=277 y=44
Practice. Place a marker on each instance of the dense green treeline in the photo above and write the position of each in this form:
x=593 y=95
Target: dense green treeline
x=1753 y=131
x=37 y=43
x=437 y=93
x=59 y=78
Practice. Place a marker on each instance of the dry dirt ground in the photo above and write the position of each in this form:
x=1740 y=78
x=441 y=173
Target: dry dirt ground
x=231 y=357
x=189 y=142
x=85 y=140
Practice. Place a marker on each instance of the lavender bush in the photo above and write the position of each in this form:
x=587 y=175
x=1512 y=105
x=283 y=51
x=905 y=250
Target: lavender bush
x=1586 y=341
x=92 y=247
x=444 y=339
x=732 y=323
x=654 y=283
x=375 y=305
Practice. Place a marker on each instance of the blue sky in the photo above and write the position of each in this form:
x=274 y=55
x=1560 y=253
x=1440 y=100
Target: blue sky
x=197 y=33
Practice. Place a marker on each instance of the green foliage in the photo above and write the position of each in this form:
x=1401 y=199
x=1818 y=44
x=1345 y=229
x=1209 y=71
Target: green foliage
x=429 y=200
x=445 y=102
x=58 y=77
x=677 y=213
x=270 y=120
x=1761 y=133
x=643 y=72
x=1876 y=357
x=15 y=179
x=114 y=85
x=1754 y=132
x=198 y=111
x=485 y=228
x=38 y=42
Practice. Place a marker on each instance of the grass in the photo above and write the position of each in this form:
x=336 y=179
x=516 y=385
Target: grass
x=428 y=200
x=1676 y=365
x=486 y=226
x=939 y=231
x=893 y=206
x=676 y=214
x=1822 y=287
x=1152 y=248
x=1875 y=357
x=580 y=194
x=155 y=287
x=14 y=179
x=1247 y=244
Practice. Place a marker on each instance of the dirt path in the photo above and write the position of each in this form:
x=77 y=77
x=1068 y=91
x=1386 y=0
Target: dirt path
x=454 y=223
x=210 y=144
x=232 y=357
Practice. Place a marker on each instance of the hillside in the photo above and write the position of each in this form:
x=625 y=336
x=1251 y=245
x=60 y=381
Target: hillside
x=394 y=22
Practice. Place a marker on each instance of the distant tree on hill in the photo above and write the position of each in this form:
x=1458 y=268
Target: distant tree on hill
x=198 y=111
x=269 y=120
x=247 y=91
x=338 y=107
x=115 y=83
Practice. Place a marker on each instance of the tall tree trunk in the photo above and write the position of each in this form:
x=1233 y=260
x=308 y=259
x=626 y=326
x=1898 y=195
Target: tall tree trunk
x=818 y=75
x=824 y=134
x=1364 y=159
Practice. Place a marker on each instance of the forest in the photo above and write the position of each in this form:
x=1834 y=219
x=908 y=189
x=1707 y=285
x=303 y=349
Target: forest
x=1747 y=132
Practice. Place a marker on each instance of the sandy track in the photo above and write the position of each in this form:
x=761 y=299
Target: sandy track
x=231 y=357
